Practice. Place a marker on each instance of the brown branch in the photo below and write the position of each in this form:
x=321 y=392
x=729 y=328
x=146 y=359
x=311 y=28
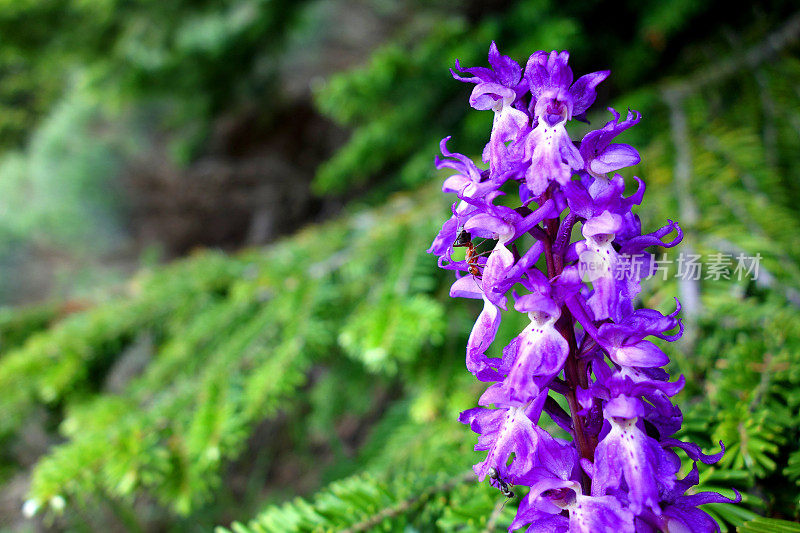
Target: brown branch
x=689 y=289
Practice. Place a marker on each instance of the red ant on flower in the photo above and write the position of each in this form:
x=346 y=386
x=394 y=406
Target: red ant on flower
x=464 y=239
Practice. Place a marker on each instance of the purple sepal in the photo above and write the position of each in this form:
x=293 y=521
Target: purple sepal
x=553 y=93
x=637 y=244
x=505 y=71
x=600 y=155
x=624 y=341
x=694 y=452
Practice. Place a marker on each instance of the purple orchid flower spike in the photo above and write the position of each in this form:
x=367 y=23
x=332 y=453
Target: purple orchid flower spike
x=585 y=339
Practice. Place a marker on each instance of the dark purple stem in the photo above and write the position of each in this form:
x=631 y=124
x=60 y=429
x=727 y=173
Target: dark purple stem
x=565 y=325
x=562 y=239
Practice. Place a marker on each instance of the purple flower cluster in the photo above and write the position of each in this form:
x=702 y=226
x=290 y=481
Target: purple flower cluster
x=585 y=341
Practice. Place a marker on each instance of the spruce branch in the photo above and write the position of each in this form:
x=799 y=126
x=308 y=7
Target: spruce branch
x=410 y=503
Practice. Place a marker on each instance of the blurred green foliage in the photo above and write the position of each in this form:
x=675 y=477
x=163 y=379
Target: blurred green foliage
x=80 y=82
x=212 y=389
x=187 y=51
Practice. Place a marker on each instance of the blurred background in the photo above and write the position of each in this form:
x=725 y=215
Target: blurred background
x=213 y=223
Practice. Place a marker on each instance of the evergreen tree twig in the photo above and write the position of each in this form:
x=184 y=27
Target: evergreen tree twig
x=405 y=505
